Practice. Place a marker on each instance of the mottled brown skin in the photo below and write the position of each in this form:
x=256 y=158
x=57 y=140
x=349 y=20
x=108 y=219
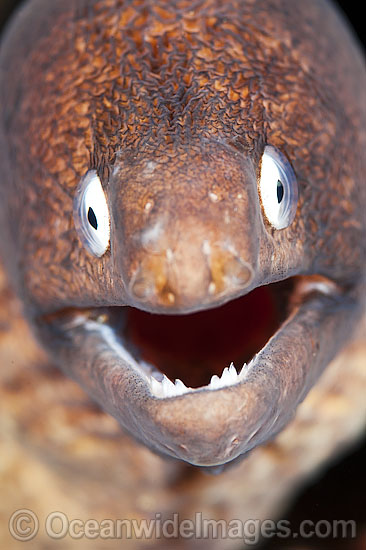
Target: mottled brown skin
x=171 y=102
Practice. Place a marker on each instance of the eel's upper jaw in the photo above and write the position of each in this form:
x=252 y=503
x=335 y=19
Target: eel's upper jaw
x=213 y=424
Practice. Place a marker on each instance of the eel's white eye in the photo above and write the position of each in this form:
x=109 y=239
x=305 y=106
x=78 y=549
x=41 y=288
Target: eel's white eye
x=91 y=214
x=278 y=188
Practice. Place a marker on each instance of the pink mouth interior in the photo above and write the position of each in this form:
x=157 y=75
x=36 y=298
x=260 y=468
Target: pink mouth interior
x=195 y=346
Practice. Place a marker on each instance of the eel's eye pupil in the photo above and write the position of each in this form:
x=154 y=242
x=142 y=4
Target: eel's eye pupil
x=91 y=214
x=279 y=191
x=93 y=220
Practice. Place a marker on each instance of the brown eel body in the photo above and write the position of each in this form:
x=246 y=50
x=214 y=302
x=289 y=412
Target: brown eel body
x=168 y=112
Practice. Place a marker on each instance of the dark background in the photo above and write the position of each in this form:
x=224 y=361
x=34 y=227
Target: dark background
x=340 y=493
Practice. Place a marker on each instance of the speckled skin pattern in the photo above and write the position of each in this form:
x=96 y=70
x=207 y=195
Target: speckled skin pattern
x=172 y=103
x=111 y=84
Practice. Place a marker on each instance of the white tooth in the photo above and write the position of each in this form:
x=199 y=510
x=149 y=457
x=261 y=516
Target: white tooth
x=156 y=387
x=215 y=382
x=233 y=372
x=246 y=369
x=243 y=369
x=180 y=387
x=168 y=387
x=226 y=377
x=165 y=387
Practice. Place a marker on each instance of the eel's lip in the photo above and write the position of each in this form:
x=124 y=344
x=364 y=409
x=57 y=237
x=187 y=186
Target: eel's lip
x=213 y=424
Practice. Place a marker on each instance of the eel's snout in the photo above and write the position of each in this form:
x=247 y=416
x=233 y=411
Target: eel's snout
x=187 y=231
x=186 y=266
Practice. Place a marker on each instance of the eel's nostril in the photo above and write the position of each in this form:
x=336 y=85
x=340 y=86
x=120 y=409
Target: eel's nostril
x=238 y=272
x=151 y=284
x=228 y=272
x=143 y=284
x=176 y=283
x=188 y=266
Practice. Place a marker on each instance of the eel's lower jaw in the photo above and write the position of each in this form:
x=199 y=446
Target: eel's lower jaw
x=215 y=423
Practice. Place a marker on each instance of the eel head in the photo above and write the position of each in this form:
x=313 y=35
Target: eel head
x=185 y=207
x=198 y=323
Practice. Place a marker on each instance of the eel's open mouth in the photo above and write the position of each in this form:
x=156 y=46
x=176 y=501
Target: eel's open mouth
x=208 y=349
x=155 y=373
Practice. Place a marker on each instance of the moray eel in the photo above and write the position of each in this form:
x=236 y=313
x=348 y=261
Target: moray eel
x=183 y=207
